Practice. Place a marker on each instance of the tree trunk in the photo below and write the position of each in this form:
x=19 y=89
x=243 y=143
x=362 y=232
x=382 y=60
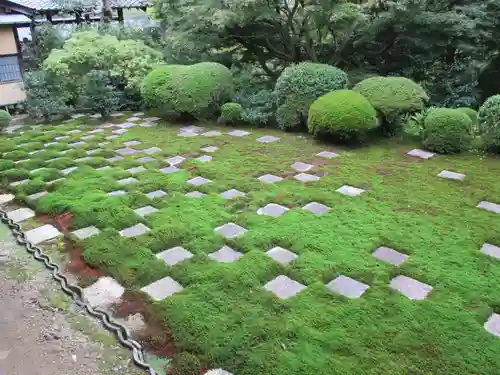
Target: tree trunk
x=106 y=14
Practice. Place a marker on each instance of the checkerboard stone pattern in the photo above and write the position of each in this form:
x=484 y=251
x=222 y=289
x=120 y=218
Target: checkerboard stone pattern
x=282 y=255
x=115 y=159
x=6 y=198
x=209 y=149
x=204 y=158
x=492 y=325
x=131 y=143
x=451 y=175
x=306 y=177
x=20 y=214
x=117 y=193
x=269 y=178
x=302 y=167
x=103 y=292
x=272 y=209
x=175 y=160
x=34 y=197
x=488 y=206
x=411 y=288
x=170 y=169
x=42 y=234
x=232 y=193
x=84 y=233
x=152 y=150
x=134 y=231
x=316 y=208
x=231 y=230
x=327 y=154
x=420 y=154
x=194 y=194
x=127 y=181
x=283 y=287
x=146 y=210
x=156 y=194
x=347 y=287
x=197 y=181
x=174 y=255
x=126 y=151
x=136 y=170
x=349 y=190
x=146 y=159
x=389 y=255
x=225 y=255
x=238 y=133
x=163 y=288
x=187 y=134
x=267 y=139
x=491 y=250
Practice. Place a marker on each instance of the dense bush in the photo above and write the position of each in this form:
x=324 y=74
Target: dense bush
x=342 y=113
x=447 y=131
x=299 y=85
x=5 y=119
x=489 y=122
x=472 y=113
x=197 y=90
x=98 y=95
x=230 y=112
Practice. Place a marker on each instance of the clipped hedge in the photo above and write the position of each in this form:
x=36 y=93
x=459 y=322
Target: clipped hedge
x=489 y=122
x=197 y=90
x=446 y=131
x=301 y=84
x=5 y=119
x=472 y=113
x=343 y=113
x=231 y=112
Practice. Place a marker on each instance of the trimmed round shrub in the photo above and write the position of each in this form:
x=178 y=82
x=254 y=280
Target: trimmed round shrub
x=472 y=113
x=446 y=131
x=231 y=112
x=489 y=122
x=197 y=90
x=343 y=113
x=5 y=119
x=301 y=84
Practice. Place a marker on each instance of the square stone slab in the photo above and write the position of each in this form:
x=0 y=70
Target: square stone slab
x=17 y=183
x=146 y=210
x=491 y=250
x=138 y=114
x=118 y=114
x=327 y=154
x=119 y=131
x=115 y=159
x=283 y=287
x=87 y=137
x=61 y=137
x=117 y=193
x=187 y=134
x=163 y=288
x=281 y=255
x=212 y=133
x=6 y=198
x=411 y=288
x=174 y=255
x=103 y=292
x=110 y=137
x=152 y=150
x=269 y=178
x=225 y=255
x=171 y=169
x=43 y=233
x=390 y=255
x=134 y=118
x=316 y=208
x=90 y=152
x=175 y=160
x=302 y=167
x=96 y=131
x=147 y=124
x=104 y=143
x=152 y=119
x=56 y=180
x=51 y=143
x=80 y=160
x=238 y=133
x=231 y=230
x=420 y=154
x=103 y=168
x=126 y=151
x=136 y=170
x=156 y=194
x=232 y=193
x=68 y=170
x=84 y=233
x=194 y=194
x=134 y=231
x=146 y=159
x=493 y=207
x=96 y=115
x=77 y=144
x=204 y=158
x=451 y=175
x=21 y=214
x=306 y=177
x=492 y=325
x=126 y=181
x=198 y=181
x=348 y=287
x=209 y=149
x=36 y=196
x=131 y=143
x=267 y=139
x=126 y=125
x=349 y=190
x=74 y=131
x=191 y=128
x=272 y=209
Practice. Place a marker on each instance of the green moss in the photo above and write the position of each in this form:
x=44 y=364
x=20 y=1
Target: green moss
x=6 y=164
x=231 y=112
x=447 y=131
x=7 y=145
x=47 y=174
x=16 y=155
x=16 y=174
x=31 y=187
x=62 y=163
x=5 y=119
x=28 y=147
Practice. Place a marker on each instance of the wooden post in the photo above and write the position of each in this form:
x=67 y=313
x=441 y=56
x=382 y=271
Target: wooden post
x=120 y=15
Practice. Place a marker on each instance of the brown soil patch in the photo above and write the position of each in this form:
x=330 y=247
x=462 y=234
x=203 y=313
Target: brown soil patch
x=77 y=265
x=384 y=172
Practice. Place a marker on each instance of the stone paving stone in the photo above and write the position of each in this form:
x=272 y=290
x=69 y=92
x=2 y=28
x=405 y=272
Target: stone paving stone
x=491 y=250
x=198 y=181
x=218 y=371
x=131 y=143
x=451 y=175
x=152 y=119
x=84 y=233
x=204 y=158
x=104 y=143
x=231 y=230
x=316 y=208
x=209 y=149
x=134 y=231
x=77 y=116
x=267 y=139
x=147 y=124
x=80 y=160
x=118 y=114
x=21 y=214
x=87 y=137
x=493 y=207
x=175 y=160
x=77 y=144
x=492 y=325
x=349 y=190
x=272 y=209
x=174 y=255
x=103 y=292
x=17 y=183
x=170 y=169
x=98 y=130
x=420 y=154
x=146 y=159
x=327 y=154
x=127 y=151
x=302 y=167
x=146 y=210
x=96 y=115
x=232 y=193
x=44 y=233
x=152 y=150
x=37 y=170
x=306 y=177
x=411 y=288
x=238 y=133
x=21 y=161
x=187 y=134
x=347 y=287
x=225 y=255
x=60 y=138
x=50 y=144
x=115 y=159
x=109 y=137
x=54 y=181
x=126 y=125
x=136 y=170
x=192 y=129
x=156 y=194
x=133 y=118
x=34 y=197
x=118 y=131
x=212 y=133
x=163 y=288
x=6 y=198
x=269 y=178
x=390 y=255
x=95 y=150
x=282 y=255
x=283 y=287
x=107 y=126
x=126 y=181
x=37 y=151
x=117 y=193
x=138 y=114
x=194 y=194
x=75 y=131
x=68 y=170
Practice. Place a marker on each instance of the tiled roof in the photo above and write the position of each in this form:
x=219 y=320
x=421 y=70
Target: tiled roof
x=12 y=19
x=72 y=4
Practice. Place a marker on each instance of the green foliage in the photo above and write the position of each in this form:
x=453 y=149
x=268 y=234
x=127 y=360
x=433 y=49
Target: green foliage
x=186 y=364
x=300 y=85
x=31 y=187
x=16 y=155
x=489 y=122
x=45 y=38
x=231 y=112
x=98 y=95
x=447 y=131
x=47 y=174
x=6 y=164
x=343 y=113
x=197 y=90
x=472 y=113
x=5 y=119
